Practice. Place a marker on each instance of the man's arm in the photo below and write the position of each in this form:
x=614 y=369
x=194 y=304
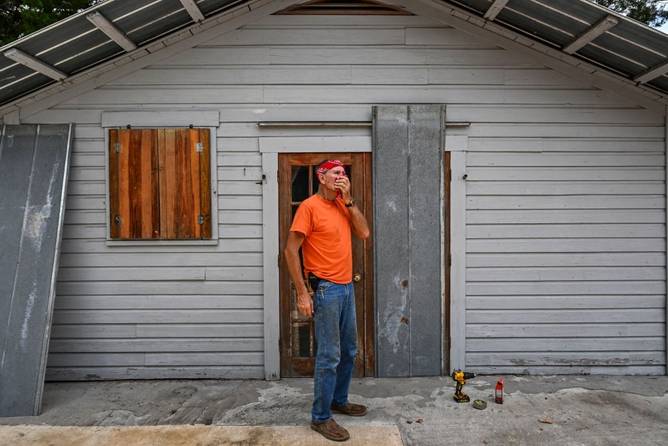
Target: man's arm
x=304 y=301
x=358 y=221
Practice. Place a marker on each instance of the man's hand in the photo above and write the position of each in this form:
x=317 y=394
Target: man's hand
x=343 y=184
x=305 y=304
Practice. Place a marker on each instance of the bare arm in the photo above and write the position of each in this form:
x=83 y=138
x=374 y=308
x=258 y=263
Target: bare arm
x=304 y=301
x=357 y=219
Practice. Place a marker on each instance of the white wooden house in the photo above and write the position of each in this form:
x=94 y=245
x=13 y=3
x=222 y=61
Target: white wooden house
x=544 y=200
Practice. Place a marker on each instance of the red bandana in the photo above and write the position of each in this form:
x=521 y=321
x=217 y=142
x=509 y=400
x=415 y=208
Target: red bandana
x=327 y=165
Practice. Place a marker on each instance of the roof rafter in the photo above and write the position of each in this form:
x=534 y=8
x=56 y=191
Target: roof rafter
x=193 y=10
x=494 y=9
x=34 y=63
x=592 y=33
x=652 y=73
x=104 y=24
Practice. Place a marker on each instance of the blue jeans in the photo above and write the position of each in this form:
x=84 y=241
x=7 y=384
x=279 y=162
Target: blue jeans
x=336 y=340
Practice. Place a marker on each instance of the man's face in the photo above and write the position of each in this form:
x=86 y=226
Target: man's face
x=328 y=179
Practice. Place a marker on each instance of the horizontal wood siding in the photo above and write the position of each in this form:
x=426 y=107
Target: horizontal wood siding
x=565 y=202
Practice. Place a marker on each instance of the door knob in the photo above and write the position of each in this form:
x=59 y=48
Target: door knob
x=357 y=277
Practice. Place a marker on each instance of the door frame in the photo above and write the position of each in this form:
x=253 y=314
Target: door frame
x=269 y=149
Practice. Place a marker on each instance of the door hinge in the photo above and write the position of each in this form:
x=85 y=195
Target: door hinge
x=117 y=147
x=200 y=219
x=449 y=259
x=117 y=219
x=199 y=147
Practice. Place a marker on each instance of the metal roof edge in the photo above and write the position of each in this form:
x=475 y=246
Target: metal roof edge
x=27 y=104
x=650 y=97
x=54 y=25
x=621 y=16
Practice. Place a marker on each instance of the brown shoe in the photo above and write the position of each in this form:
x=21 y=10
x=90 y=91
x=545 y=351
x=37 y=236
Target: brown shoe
x=351 y=409
x=330 y=430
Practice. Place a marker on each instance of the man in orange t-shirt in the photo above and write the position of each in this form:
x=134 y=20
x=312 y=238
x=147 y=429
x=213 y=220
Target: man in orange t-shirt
x=322 y=228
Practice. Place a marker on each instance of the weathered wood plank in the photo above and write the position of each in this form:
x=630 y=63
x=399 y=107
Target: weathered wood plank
x=571 y=369
x=153 y=359
x=185 y=95
x=542 y=188
x=565 y=273
x=566 y=231
x=570 y=259
x=565 y=114
x=561 y=130
x=186 y=302
x=420 y=94
x=107 y=331
x=572 y=344
x=313 y=36
x=162 y=316
x=167 y=372
x=563 y=330
x=205 y=219
x=565 y=174
x=151 y=345
x=84 y=246
x=130 y=274
x=566 y=287
x=204 y=359
x=558 y=159
x=566 y=245
x=565 y=144
x=566 y=202
x=532 y=359
x=525 y=316
x=158 y=287
x=201 y=330
x=566 y=216
x=160 y=259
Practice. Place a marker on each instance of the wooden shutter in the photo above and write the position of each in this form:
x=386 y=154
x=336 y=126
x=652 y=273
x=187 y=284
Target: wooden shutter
x=159 y=184
x=133 y=184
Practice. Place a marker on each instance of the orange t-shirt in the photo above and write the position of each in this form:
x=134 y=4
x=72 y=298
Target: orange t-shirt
x=327 y=248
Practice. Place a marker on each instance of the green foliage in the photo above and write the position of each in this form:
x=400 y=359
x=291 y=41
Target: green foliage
x=21 y=17
x=651 y=12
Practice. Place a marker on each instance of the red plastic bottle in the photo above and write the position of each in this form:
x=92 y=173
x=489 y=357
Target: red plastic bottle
x=498 y=392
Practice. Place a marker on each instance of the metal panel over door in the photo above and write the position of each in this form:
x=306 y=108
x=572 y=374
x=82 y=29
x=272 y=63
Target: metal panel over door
x=34 y=162
x=407 y=200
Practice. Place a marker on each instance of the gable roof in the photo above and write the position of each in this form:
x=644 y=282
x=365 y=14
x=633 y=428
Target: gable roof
x=619 y=45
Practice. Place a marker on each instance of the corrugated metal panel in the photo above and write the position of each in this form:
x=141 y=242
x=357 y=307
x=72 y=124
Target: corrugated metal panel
x=22 y=80
x=74 y=44
x=627 y=49
x=34 y=164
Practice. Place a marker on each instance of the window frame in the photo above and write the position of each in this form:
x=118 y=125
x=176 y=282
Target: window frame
x=213 y=175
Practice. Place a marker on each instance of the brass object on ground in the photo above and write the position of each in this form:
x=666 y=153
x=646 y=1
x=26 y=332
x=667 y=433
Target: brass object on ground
x=479 y=404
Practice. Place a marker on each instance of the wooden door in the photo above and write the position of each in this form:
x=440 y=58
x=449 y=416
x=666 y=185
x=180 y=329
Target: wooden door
x=297 y=181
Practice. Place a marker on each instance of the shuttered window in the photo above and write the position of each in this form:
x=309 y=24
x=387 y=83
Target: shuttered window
x=159 y=184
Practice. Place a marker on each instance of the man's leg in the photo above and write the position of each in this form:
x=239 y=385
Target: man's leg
x=348 y=333
x=328 y=301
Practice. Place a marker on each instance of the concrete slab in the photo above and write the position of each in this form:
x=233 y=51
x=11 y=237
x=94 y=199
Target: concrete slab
x=25 y=435
x=563 y=410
